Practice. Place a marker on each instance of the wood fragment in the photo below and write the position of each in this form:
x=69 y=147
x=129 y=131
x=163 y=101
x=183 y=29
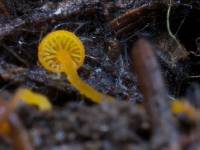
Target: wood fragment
x=19 y=135
x=155 y=95
x=17 y=132
x=134 y=14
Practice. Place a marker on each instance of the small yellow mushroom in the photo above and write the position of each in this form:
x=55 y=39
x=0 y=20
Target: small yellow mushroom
x=32 y=98
x=179 y=107
x=62 y=51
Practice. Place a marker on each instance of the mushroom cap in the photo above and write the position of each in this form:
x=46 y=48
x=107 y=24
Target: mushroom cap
x=54 y=44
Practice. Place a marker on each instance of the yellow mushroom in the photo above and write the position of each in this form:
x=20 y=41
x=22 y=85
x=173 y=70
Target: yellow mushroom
x=32 y=98
x=179 y=107
x=62 y=51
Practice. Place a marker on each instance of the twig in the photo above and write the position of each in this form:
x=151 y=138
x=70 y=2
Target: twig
x=16 y=133
x=134 y=14
x=168 y=24
x=136 y=19
x=19 y=135
x=155 y=95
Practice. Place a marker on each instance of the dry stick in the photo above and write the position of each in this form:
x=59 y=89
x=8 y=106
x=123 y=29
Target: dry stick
x=132 y=15
x=20 y=137
x=136 y=19
x=168 y=25
x=50 y=11
x=126 y=18
x=155 y=94
x=18 y=134
x=129 y=28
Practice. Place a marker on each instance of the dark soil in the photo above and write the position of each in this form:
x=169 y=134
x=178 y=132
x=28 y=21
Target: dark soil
x=75 y=123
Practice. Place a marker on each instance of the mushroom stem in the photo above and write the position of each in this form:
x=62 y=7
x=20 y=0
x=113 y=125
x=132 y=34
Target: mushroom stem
x=80 y=85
